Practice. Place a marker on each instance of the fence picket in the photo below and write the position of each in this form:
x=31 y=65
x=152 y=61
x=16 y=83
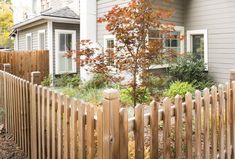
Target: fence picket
x=123 y=129
x=178 y=127
x=221 y=121
x=99 y=130
x=167 y=128
x=206 y=96
x=90 y=132
x=189 y=105
x=214 y=121
x=154 y=130
x=228 y=121
x=139 y=131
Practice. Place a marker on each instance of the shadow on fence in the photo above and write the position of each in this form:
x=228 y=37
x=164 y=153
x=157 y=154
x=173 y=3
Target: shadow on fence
x=46 y=124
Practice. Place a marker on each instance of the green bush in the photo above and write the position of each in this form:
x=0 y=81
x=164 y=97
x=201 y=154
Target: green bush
x=72 y=92
x=47 y=81
x=192 y=70
x=92 y=95
x=97 y=81
x=143 y=96
x=179 y=88
x=67 y=80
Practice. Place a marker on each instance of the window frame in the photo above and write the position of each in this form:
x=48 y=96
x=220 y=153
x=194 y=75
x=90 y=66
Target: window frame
x=108 y=37
x=26 y=43
x=203 y=32
x=74 y=42
x=40 y=32
x=180 y=29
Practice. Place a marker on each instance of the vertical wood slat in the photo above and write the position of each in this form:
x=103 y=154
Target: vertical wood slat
x=53 y=126
x=139 y=132
x=48 y=124
x=214 y=121
x=221 y=122
x=90 y=132
x=123 y=129
x=43 y=118
x=233 y=119
x=99 y=130
x=166 y=128
x=228 y=121
x=178 y=127
x=73 y=131
x=60 y=98
x=39 y=111
x=198 y=103
x=188 y=99
x=154 y=130
x=81 y=130
x=206 y=122
x=66 y=128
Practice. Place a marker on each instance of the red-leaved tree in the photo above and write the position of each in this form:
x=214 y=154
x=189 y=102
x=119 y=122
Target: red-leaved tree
x=135 y=51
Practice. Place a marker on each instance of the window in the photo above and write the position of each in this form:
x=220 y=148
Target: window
x=197 y=44
x=41 y=40
x=29 y=41
x=65 y=42
x=109 y=46
x=173 y=42
x=45 y=4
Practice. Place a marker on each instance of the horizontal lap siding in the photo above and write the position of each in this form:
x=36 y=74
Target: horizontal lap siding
x=34 y=30
x=218 y=17
x=103 y=6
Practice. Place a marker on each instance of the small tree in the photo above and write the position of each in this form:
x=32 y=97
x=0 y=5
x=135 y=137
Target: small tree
x=134 y=51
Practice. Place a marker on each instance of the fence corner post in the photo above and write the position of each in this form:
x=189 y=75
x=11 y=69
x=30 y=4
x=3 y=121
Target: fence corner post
x=36 y=77
x=7 y=67
x=111 y=108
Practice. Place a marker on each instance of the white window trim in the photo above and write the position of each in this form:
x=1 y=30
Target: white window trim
x=189 y=42
x=106 y=37
x=26 y=41
x=73 y=32
x=44 y=32
x=182 y=47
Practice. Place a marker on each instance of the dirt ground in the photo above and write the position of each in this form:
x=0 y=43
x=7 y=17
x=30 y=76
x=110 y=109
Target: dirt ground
x=8 y=149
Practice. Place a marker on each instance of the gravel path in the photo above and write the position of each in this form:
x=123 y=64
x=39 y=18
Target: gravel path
x=8 y=149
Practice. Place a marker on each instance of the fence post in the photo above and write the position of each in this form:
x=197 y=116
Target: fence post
x=36 y=77
x=111 y=108
x=7 y=67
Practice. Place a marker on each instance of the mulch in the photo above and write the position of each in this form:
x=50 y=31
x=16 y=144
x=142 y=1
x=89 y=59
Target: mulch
x=8 y=149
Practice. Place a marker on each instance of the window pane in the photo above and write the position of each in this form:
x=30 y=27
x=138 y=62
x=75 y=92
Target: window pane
x=41 y=41
x=69 y=62
x=62 y=42
x=62 y=62
x=110 y=44
x=174 y=43
x=198 y=46
x=68 y=42
x=29 y=43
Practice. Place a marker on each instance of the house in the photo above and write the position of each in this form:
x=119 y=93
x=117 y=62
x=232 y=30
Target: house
x=208 y=25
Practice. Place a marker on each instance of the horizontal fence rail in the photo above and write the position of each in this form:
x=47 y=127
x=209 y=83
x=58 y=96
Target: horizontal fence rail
x=22 y=63
x=47 y=124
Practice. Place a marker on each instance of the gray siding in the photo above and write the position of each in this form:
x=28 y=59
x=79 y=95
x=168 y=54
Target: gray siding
x=103 y=6
x=65 y=26
x=34 y=30
x=218 y=17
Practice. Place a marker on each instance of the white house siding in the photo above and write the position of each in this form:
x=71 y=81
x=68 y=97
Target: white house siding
x=34 y=30
x=218 y=17
x=103 y=6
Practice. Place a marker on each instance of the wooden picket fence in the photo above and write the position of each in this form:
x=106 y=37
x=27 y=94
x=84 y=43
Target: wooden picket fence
x=47 y=124
x=22 y=63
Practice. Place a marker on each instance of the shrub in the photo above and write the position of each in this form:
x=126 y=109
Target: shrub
x=67 y=80
x=143 y=96
x=179 y=88
x=70 y=91
x=91 y=95
x=190 y=69
x=47 y=81
x=97 y=81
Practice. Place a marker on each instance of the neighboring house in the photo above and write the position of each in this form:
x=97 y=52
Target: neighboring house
x=208 y=25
